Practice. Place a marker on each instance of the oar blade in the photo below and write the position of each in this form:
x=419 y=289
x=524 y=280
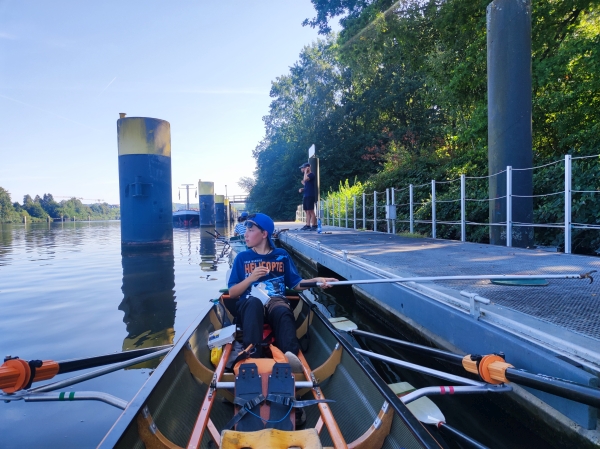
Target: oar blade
x=423 y=408
x=343 y=324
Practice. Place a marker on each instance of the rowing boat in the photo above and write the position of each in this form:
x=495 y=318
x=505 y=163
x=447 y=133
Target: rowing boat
x=188 y=402
x=238 y=244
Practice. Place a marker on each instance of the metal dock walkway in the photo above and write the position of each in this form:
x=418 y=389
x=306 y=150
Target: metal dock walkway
x=552 y=329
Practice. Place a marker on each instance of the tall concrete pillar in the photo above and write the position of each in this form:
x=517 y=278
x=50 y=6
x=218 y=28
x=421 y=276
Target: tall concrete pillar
x=219 y=209
x=509 y=115
x=145 y=181
x=206 y=198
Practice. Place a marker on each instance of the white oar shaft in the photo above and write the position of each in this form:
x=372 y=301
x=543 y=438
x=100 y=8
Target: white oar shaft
x=421 y=369
x=457 y=278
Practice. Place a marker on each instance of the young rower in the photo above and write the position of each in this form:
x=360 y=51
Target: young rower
x=264 y=263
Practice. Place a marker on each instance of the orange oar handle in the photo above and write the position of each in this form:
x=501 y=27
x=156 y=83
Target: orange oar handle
x=15 y=374
x=491 y=368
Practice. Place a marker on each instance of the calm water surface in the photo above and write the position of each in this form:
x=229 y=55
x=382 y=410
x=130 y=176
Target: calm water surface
x=67 y=292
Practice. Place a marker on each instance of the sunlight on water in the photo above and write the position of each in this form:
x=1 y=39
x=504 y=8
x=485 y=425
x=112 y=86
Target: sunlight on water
x=66 y=292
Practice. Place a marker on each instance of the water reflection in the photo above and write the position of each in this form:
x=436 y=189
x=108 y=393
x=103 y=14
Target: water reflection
x=148 y=299
x=6 y=242
x=208 y=252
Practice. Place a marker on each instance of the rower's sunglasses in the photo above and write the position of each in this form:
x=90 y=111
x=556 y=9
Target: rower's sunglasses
x=250 y=224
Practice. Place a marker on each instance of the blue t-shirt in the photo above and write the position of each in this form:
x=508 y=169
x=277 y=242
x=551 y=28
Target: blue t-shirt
x=309 y=186
x=282 y=271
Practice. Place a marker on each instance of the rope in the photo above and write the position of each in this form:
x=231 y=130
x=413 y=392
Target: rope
x=447 y=201
x=539 y=196
x=484 y=177
x=534 y=225
x=490 y=199
x=584 y=157
x=538 y=166
x=447 y=182
x=421 y=185
x=585 y=226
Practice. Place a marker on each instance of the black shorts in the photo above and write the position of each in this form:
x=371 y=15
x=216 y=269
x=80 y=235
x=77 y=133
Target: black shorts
x=308 y=203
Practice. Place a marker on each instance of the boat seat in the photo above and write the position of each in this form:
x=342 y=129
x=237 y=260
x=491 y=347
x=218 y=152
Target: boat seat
x=271 y=438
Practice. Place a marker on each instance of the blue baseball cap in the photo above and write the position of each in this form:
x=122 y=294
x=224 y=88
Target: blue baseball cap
x=244 y=214
x=264 y=223
x=306 y=164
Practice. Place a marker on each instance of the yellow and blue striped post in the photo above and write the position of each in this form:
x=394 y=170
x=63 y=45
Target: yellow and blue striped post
x=227 y=212
x=220 y=209
x=206 y=198
x=145 y=181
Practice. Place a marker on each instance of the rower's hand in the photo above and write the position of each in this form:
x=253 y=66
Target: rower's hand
x=258 y=273
x=325 y=281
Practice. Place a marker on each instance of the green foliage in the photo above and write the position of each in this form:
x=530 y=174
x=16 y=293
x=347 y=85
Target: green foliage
x=38 y=209
x=8 y=213
x=341 y=201
x=399 y=97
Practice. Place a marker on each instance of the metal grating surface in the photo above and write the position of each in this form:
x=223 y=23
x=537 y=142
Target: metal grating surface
x=571 y=304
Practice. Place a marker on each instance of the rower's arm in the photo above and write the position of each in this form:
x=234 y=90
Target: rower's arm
x=320 y=280
x=238 y=289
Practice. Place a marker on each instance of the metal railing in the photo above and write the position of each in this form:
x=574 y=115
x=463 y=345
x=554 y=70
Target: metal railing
x=383 y=211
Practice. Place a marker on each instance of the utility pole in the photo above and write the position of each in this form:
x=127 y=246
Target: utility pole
x=187 y=189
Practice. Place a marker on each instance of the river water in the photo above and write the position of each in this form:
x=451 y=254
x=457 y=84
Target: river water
x=67 y=292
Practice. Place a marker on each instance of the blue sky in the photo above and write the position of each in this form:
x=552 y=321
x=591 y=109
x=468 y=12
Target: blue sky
x=67 y=68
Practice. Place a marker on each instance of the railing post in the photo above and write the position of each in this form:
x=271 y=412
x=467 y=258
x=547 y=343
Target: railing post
x=463 y=208
x=433 y=233
x=364 y=211
x=333 y=211
x=339 y=212
x=508 y=205
x=346 y=207
x=375 y=210
x=387 y=206
x=568 y=204
x=354 y=211
x=410 y=201
x=394 y=220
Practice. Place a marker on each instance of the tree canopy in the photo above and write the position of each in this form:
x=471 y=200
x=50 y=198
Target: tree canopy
x=399 y=96
x=40 y=208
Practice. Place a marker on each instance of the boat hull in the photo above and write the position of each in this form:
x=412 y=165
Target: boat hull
x=172 y=396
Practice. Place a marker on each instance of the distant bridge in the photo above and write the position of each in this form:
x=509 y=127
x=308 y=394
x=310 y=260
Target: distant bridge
x=237 y=199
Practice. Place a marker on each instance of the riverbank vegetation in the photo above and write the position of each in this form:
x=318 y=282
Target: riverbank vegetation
x=398 y=96
x=40 y=208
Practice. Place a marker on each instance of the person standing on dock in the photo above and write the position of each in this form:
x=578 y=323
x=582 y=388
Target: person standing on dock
x=264 y=263
x=308 y=200
x=240 y=228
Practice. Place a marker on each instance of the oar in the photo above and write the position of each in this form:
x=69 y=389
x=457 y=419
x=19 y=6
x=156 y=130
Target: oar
x=455 y=278
x=427 y=412
x=16 y=374
x=558 y=387
x=68 y=366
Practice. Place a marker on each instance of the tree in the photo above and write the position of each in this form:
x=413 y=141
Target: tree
x=7 y=210
x=246 y=183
